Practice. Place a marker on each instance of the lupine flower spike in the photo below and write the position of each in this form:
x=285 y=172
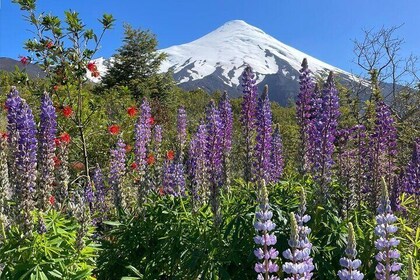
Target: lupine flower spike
x=226 y=116
x=266 y=254
x=410 y=270
x=181 y=132
x=387 y=257
x=350 y=263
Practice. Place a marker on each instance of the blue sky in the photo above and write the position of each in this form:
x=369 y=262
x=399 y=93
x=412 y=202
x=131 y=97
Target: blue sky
x=322 y=28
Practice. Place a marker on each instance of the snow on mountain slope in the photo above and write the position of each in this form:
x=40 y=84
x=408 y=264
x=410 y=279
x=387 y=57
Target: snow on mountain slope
x=225 y=52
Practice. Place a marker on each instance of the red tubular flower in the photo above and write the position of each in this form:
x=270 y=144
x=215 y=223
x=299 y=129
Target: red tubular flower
x=92 y=67
x=52 y=200
x=24 y=60
x=57 y=141
x=128 y=148
x=150 y=159
x=170 y=155
x=133 y=166
x=4 y=135
x=57 y=161
x=65 y=138
x=151 y=120
x=78 y=166
x=132 y=111
x=49 y=45
x=161 y=191
x=67 y=111
x=114 y=129
x=55 y=87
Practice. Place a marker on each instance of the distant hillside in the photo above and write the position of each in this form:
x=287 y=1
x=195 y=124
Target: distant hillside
x=9 y=64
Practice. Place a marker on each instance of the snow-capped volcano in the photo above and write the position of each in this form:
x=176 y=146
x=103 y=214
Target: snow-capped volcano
x=216 y=61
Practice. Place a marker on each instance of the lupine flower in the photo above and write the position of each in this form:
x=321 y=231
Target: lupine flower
x=100 y=194
x=214 y=151
x=197 y=164
x=387 y=266
x=181 y=131
x=47 y=135
x=248 y=117
x=174 y=179
x=300 y=263
x=67 y=111
x=5 y=190
x=262 y=151
x=411 y=177
x=142 y=137
x=114 y=129
x=305 y=112
x=116 y=172
x=26 y=163
x=382 y=152
x=266 y=254
x=350 y=262
x=157 y=136
x=410 y=270
x=226 y=115
x=63 y=177
x=326 y=123
x=276 y=159
x=132 y=111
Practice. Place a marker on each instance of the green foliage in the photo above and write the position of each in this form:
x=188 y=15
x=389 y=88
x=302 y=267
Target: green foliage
x=50 y=255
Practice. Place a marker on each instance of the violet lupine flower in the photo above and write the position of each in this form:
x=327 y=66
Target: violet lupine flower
x=387 y=267
x=300 y=263
x=276 y=159
x=214 y=151
x=142 y=137
x=248 y=117
x=226 y=115
x=26 y=164
x=63 y=175
x=181 y=131
x=262 y=150
x=326 y=124
x=197 y=164
x=350 y=263
x=266 y=254
x=157 y=136
x=47 y=134
x=116 y=172
x=100 y=193
x=305 y=110
x=411 y=178
x=382 y=152
x=174 y=179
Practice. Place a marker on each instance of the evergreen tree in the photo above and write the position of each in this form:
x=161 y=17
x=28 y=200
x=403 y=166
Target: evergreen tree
x=136 y=66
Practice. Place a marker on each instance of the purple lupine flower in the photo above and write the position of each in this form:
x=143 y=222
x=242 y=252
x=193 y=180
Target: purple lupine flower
x=305 y=112
x=197 y=164
x=26 y=164
x=300 y=263
x=62 y=173
x=248 y=117
x=276 y=159
x=47 y=134
x=411 y=178
x=350 y=263
x=381 y=153
x=266 y=255
x=174 y=179
x=5 y=191
x=100 y=194
x=157 y=135
x=262 y=150
x=181 y=131
x=116 y=172
x=214 y=151
x=326 y=124
x=387 y=266
x=226 y=116
x=142 y=137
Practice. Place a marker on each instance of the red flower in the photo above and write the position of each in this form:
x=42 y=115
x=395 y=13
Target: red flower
x=4 y=135
x=161 y=191
x=128 y=148
x=52 y=200
x=65 y=137
x=132 y=111
x=151 y=120
x=49 y=45
x=114 y=129
x=57 y=161
x=55 y=87
x=150 y=159
x=57 y=141
x=133 y=165
x=170 y=155
x=5 y=106
x=92 y=67
x=67 y=111
x=95 y=74
x=24 y=60
x=77 y=165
